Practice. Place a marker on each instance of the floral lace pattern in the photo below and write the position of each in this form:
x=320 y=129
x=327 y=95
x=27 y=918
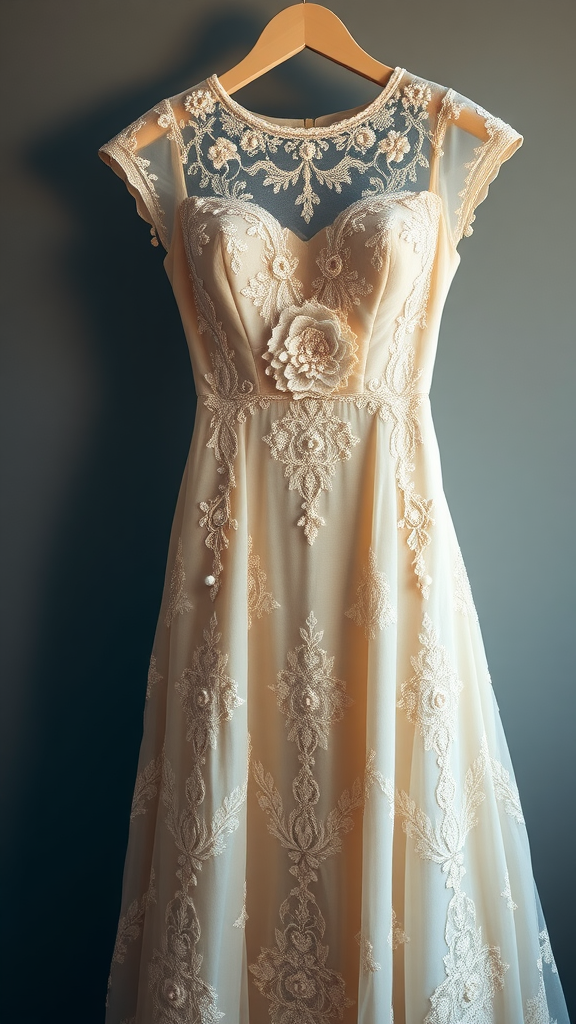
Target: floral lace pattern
x=537 y=1011
x=474 y=970
x=154 y=676
x=130 y=923
x=178 y=602
x=463 y=600
x=396 y=936
x=546 y=954
x=373 y=777
x=179 y=992
x=310 y=440
x=274 y=287
x=504 y=788
x=430 y=697
x=294 y=974
x=146 y=786
x=124 y=150
x=506 y=894
x=260 y=601
x=207 y=693
x=396 y=396
x=338 y=286
x=229 y=402
x=367 y=961
x=290 y=158
x=372 y=609
x=481 y=170
x=240 y=921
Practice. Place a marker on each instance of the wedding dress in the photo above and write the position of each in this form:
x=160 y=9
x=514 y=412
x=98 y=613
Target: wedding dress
x=325 y=824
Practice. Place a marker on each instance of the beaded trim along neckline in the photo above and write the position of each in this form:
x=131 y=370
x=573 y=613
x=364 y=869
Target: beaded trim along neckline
x=299 y=131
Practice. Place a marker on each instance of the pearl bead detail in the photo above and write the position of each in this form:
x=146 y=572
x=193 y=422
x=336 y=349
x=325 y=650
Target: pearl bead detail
x=209 y=581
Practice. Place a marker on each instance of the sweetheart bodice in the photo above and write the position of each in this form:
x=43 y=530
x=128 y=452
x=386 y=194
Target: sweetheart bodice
x=316 y=317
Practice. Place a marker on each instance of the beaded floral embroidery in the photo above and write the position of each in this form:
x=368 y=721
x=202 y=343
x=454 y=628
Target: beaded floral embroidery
x=223 y=145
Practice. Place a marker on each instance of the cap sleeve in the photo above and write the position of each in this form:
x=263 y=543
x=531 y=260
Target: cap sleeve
x=471 y=145
x=146 y=156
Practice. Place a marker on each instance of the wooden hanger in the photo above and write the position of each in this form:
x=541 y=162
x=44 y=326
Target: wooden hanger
x=313 y=27
x=305 y=25
x=298 y=27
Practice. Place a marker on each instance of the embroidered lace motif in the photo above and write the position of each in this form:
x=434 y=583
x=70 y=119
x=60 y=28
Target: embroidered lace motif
x=208 y=694
x=507 y=894
x=372 y=609
x=474 y=970
x=505 y=790
x=260 y=601
x=374 y=777
x=130 y=924
x=240 y=921
x=367 y=961
x=209 y=697
x=153 y=676
x=289 y=158
x=546 y=954
x=396 y=397
x=537 y=1011
x=146 y=786
x=178 y=602
x=310 y=440
x=487 y=159
x=397 y=936
x=124 y=150
x=294 y=974
x=229 y=403
x=430 y=697
x=449 y=111
x=463 y=600
x=483 y=167
x=224 y=146
x=277 y=288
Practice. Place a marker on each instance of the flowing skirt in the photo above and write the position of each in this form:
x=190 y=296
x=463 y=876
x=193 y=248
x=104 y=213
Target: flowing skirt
x=325 y=824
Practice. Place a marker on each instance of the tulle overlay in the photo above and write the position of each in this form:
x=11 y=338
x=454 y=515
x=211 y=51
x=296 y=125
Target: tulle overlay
x=325 y=822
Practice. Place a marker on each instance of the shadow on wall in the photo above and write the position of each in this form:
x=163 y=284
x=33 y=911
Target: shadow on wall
x=101 y=594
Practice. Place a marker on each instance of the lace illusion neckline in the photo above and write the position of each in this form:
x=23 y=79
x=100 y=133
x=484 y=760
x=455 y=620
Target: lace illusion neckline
x=270 y=125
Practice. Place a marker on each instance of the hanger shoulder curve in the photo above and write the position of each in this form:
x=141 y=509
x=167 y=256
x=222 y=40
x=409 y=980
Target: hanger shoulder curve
x=304 y=25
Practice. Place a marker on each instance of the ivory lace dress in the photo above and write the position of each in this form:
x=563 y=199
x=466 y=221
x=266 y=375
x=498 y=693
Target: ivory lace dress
x=325 y=824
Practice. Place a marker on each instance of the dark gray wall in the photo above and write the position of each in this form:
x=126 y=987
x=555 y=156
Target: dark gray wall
x=97 y=398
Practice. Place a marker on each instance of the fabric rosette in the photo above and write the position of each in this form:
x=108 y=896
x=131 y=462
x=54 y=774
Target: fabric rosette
x=312 y=350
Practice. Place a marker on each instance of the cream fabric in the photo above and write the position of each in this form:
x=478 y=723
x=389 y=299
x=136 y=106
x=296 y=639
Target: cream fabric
x=325 y=822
